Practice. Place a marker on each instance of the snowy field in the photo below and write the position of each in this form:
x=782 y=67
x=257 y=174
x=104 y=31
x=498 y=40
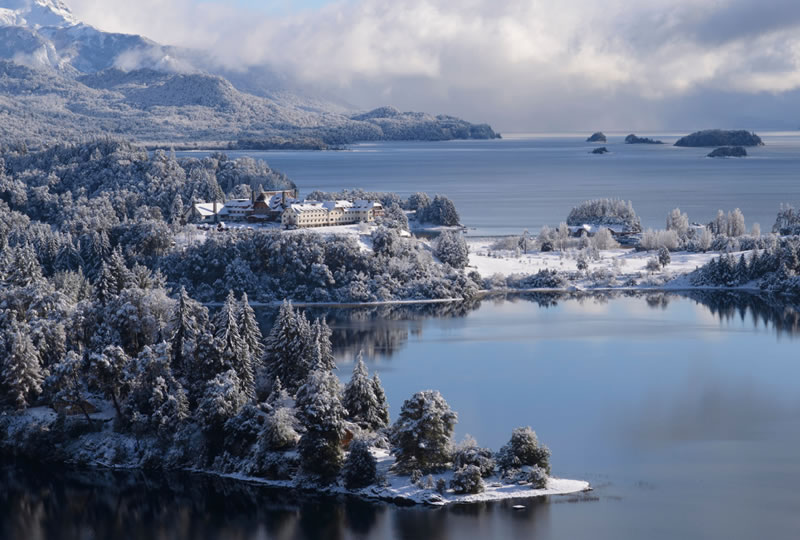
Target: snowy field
x=622 y=263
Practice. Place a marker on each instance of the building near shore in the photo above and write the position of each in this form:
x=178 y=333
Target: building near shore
x=260 y=207
x=329 y=213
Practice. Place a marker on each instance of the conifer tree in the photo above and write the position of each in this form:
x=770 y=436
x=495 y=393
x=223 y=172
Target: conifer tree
x=421 y=435
x=107 y=371
x=156 y=400
x=360 y=400
x=360 y=467
x=119 y=272
x=383 y=404
x=319 y=408
x=66 y=385
x=251 y=332
x=68 y=258
x=286 y=348
x=184 y=328
x=232 y=348
x=22 y=375
x=24 y=267
x=321 y=334
x=106 y=287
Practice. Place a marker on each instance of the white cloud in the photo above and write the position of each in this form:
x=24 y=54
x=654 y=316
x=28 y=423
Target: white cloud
x=524 y=62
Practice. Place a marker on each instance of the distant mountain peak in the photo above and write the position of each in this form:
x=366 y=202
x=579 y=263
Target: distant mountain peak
x=36 y=14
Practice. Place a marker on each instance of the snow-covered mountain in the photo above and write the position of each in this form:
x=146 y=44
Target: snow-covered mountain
x=62 y=78
x=36 y=14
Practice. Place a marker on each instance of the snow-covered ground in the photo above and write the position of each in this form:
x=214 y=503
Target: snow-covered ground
x=398 y=488
x=622 y=263
x=401 y=487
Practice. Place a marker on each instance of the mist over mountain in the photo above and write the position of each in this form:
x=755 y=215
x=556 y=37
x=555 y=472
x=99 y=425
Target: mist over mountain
x=62 y=78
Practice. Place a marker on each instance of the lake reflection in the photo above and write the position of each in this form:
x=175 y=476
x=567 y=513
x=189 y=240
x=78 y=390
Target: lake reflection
x=682 y=411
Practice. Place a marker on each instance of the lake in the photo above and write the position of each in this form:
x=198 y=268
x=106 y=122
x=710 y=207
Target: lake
x=682 y=412
x=526 y=181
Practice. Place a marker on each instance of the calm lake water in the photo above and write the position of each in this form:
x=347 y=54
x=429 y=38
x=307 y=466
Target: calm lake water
x=504 y=186
x=684 y=416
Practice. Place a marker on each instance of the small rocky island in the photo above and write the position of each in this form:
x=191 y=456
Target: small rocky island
x=719 y=137
x=633 y=139
x=597 y=136
x=728 y=151
x=601 y=150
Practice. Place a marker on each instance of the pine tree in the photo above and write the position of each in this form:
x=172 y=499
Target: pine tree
x=360 y=400
x=383 y=404
x=360 y=467
x=119 y=272
x=176 y=210
x=523 y=450
x=233 y=350
x=107 y=371
x=286 y=348
x=68 y=258
x=24 y=268
x=421 y=435
x=251 y=332
x=106 y=287
x=22 y=373
x=66 y=386
x=321 y=335
x=156 y=400
x=183 y=331
x=319 y=408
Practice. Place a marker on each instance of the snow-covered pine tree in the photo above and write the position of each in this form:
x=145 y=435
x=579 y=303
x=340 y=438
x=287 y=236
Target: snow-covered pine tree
x=156 y=400
x=286 y=348
x=360 y=467
x=65 y=385
x=359 y=398
x=68 y=258
x=22 y=374
x=234 y=351
x=383 y=403
x=319 y=408
x=176 y=210
x=251 y=332
x=107 y=372
x=523 y=450
x=451 y=248
x=321 y=334
x=24 y=269
x=119 y=271
x=420 y=436
x=106 y=286
x=184 y=327
x=222 y=400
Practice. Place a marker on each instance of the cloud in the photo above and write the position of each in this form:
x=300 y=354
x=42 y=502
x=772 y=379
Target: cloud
x=540 y=64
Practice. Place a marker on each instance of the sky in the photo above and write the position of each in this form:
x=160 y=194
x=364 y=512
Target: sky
x=521 y=65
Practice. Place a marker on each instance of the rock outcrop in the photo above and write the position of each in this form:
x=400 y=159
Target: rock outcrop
x=633 y=139
x=729 y=151
x=597 y=136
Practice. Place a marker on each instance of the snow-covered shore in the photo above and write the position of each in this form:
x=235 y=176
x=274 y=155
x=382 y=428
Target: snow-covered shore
x=105 y=448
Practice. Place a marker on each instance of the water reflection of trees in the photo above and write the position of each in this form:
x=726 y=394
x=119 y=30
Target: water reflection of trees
x=782 y=313
x=54 y=503
x=38 y=503
x=381 y=331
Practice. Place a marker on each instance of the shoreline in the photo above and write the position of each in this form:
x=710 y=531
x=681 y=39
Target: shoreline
x=485 y=293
